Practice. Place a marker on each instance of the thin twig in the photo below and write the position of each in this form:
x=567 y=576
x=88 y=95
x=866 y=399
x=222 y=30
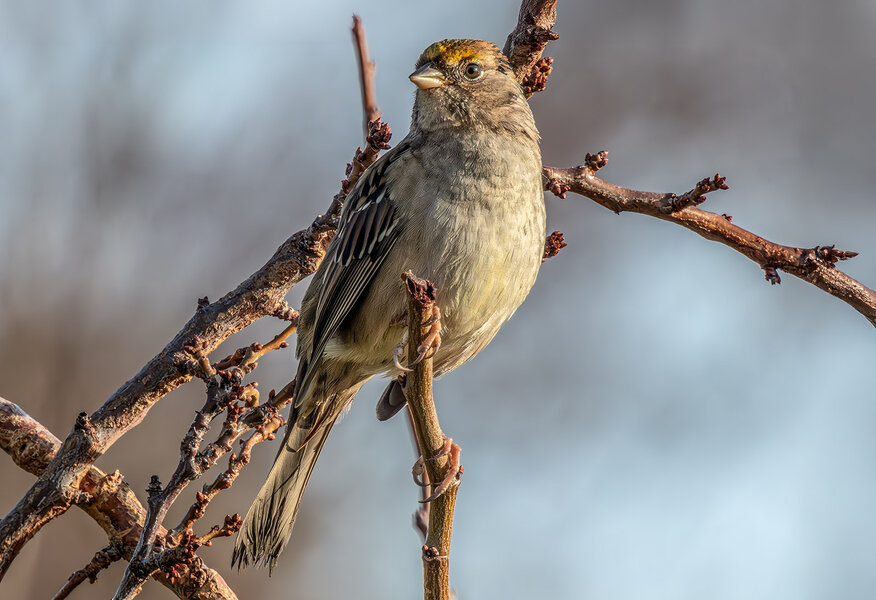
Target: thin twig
x=224 y=392
x=366 y=74
x=247 y=357
x=272 y=421
x=101 y=560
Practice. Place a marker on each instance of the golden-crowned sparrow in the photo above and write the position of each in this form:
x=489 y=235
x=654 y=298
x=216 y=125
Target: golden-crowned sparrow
x=458 y=201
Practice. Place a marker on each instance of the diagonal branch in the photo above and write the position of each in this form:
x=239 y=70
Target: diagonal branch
x=816 y=265
x=101 y=560
x=260 y=295
x=111 y=503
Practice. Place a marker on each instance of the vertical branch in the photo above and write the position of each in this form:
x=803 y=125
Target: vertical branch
x=366 y=74
x=432 y=442
x=534 y=30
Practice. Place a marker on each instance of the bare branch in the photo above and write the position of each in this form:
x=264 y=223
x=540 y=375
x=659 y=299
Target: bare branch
x=534 y=30
x=225 y=392
x=816 y=265
x=112 y=504
x=262 y=294
x=436 y=449
x=366 y=74
x=101 y=560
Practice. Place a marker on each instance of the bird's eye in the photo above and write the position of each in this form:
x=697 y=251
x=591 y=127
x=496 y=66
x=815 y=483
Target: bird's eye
x=473 y=70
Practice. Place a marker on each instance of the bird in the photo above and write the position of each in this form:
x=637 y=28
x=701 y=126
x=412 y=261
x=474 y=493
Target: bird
x=460 y=202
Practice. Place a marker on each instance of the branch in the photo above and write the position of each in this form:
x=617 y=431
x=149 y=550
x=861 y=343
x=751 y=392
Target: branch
x=225 y=392
x=366 y=73
x=816 y=265
x=111 y=503
x=260 y=295
x=101 y=560
x=526 y=43
x=437 y=451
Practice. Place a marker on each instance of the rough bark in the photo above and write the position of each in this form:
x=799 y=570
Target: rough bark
x=110 y=502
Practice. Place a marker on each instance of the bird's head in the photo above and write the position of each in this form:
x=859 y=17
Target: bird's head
x=467 y=83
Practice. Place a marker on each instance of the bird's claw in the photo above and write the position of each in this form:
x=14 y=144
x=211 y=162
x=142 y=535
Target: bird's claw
x=418 y=471
x=432 y=341
x=454 y=469
x=399 y=351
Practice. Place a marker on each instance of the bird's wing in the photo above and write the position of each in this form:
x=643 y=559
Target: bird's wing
x=368 y=229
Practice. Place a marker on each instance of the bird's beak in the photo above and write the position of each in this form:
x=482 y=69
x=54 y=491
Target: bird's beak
x=427 y=77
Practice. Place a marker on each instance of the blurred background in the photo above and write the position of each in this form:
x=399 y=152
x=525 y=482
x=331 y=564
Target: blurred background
x=655 y=421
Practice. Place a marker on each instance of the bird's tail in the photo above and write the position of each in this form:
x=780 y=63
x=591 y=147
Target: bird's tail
x=269 y=522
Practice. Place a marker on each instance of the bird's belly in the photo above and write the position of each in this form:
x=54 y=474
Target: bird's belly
x=483 y=281
x=481 y=252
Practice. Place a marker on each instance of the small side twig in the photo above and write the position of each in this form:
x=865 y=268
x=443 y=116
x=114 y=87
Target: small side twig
x=272 y=421
x=225 y=393
x=101 y=560
x=537 y=77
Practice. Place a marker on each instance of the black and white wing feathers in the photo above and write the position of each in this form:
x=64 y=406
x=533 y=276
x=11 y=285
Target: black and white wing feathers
x=368 y=229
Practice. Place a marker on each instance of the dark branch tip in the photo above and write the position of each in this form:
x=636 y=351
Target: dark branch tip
x=83 y=422
x=422 y=290
x=430 y=553
x=697 y=195
x=379 y=134
x=771 y=275
x=830 y=255
x=154 y=487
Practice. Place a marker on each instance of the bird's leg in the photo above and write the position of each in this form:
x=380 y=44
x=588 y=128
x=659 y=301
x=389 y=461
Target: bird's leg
x=432 y=341
x=454 y=469
x=399 y=351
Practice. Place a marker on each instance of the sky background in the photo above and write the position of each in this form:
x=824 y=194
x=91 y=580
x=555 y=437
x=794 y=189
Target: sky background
x=655 y=421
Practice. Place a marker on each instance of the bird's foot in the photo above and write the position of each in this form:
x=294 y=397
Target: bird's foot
x=418 y=472
x=432 y=341
x=454 y=469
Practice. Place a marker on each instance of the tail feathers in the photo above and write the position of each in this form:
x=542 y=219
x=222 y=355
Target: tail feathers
x=268 y=524
x=392 y=401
